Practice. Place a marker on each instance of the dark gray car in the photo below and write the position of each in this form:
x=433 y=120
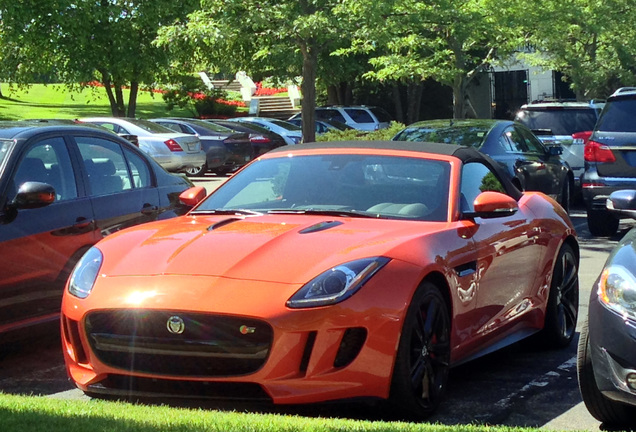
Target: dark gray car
x=610 y=160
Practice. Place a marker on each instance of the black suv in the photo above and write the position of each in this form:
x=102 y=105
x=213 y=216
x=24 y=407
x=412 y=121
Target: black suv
x=610 y=160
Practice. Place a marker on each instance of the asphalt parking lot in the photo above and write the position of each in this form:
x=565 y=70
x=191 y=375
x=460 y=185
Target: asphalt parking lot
x=514 y=387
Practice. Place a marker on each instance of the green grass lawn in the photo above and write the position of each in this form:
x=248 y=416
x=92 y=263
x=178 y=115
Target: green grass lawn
x=24 y=413
x=55 y=101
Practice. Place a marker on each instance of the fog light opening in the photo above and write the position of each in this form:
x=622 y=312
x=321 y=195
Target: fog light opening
x=631 y=380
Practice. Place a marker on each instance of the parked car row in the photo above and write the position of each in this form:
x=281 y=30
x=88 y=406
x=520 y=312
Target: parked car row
x=530 y=165
x=460 y=193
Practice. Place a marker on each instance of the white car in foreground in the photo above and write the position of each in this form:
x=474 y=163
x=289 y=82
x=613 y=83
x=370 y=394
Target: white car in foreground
x=174 y=151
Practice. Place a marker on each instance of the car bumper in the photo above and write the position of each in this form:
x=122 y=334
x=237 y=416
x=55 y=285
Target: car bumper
x=317 y=354
x=596 y=189
x=180 y=161
x=612 y=341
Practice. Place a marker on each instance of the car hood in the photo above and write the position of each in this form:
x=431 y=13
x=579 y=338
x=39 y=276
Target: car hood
x=273 y=248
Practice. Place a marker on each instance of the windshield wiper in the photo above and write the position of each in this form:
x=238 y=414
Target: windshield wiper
x=342 y=213
x=233 y=212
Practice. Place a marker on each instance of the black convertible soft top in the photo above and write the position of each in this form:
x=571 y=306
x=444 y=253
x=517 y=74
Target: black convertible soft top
x=463 y=153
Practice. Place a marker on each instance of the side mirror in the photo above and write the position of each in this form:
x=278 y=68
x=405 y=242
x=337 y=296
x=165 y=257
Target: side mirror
x=491 y=204
x=33 y=195
x=623 y=202
x=193 y=196
x=555 y=150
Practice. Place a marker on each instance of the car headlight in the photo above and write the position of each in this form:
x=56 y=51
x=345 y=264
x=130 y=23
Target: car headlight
x=336 y=284
x=617 y=290
x=85 y=273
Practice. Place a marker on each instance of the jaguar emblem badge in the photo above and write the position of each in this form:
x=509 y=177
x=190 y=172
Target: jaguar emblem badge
x=175 y=325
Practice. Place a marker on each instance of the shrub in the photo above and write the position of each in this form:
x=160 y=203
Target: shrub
x=357 y=135
x=191 y=93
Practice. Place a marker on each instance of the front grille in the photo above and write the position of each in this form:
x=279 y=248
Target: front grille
x=209 y=345
x=127 y=386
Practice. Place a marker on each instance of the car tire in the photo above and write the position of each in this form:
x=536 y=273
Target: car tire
x=420 y=374
x=197 y=172
x=601 y=223
x=561 y=312
x=607 y=411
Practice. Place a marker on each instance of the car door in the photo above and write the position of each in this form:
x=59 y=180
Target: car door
x=507 y=258
x=555 y=170
x=39 y=245
x=528 y=164
x=121 y=184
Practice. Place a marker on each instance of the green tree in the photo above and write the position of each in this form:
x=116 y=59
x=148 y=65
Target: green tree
x=279 y=38
x=593 y=42
x=79 y=41
x=409 y=41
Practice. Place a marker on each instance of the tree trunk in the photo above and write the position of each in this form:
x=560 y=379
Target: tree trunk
x=109 y=91
x=397 y=102
x=119 y=98
x=308 y=88
x=132 y=99
x=413 y=101
x=459 y=98
x=333 y=95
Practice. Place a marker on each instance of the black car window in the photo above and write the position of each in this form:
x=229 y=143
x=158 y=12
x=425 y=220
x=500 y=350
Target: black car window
x=330 y=114
x=105 y=165
x=381 y=115
x=139 y=169
x=619 y=115
x=532 y=142
x=173 y=126
x=477 y=178
x=48 y=161
x=114 y=127
x=359 y=115
x=559 y=121
x=517 y=143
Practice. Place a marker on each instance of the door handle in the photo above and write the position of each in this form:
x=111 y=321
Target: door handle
x=82 y=222
x=149 y=209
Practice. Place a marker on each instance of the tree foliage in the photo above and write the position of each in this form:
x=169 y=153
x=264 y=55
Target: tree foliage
x=591 y=41
x=79 y=41
x=282 y=38
x=450 y=41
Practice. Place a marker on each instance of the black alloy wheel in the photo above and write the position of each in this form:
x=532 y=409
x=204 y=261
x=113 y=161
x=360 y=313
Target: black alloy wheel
x=607 y=411
x=602 y=223
x=563 y=301
x=421 y=368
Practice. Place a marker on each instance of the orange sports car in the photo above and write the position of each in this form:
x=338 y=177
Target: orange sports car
x=321 y=272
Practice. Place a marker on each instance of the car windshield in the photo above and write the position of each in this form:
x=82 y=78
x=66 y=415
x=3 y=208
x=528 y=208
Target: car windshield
x=618 y=116
x=285 y=125
x=343 y=184
x=150 y=126
x=559 y=121
x=210 y=126
x=471 y=136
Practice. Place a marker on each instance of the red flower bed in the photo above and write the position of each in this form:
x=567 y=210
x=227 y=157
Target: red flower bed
x=266 y=91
